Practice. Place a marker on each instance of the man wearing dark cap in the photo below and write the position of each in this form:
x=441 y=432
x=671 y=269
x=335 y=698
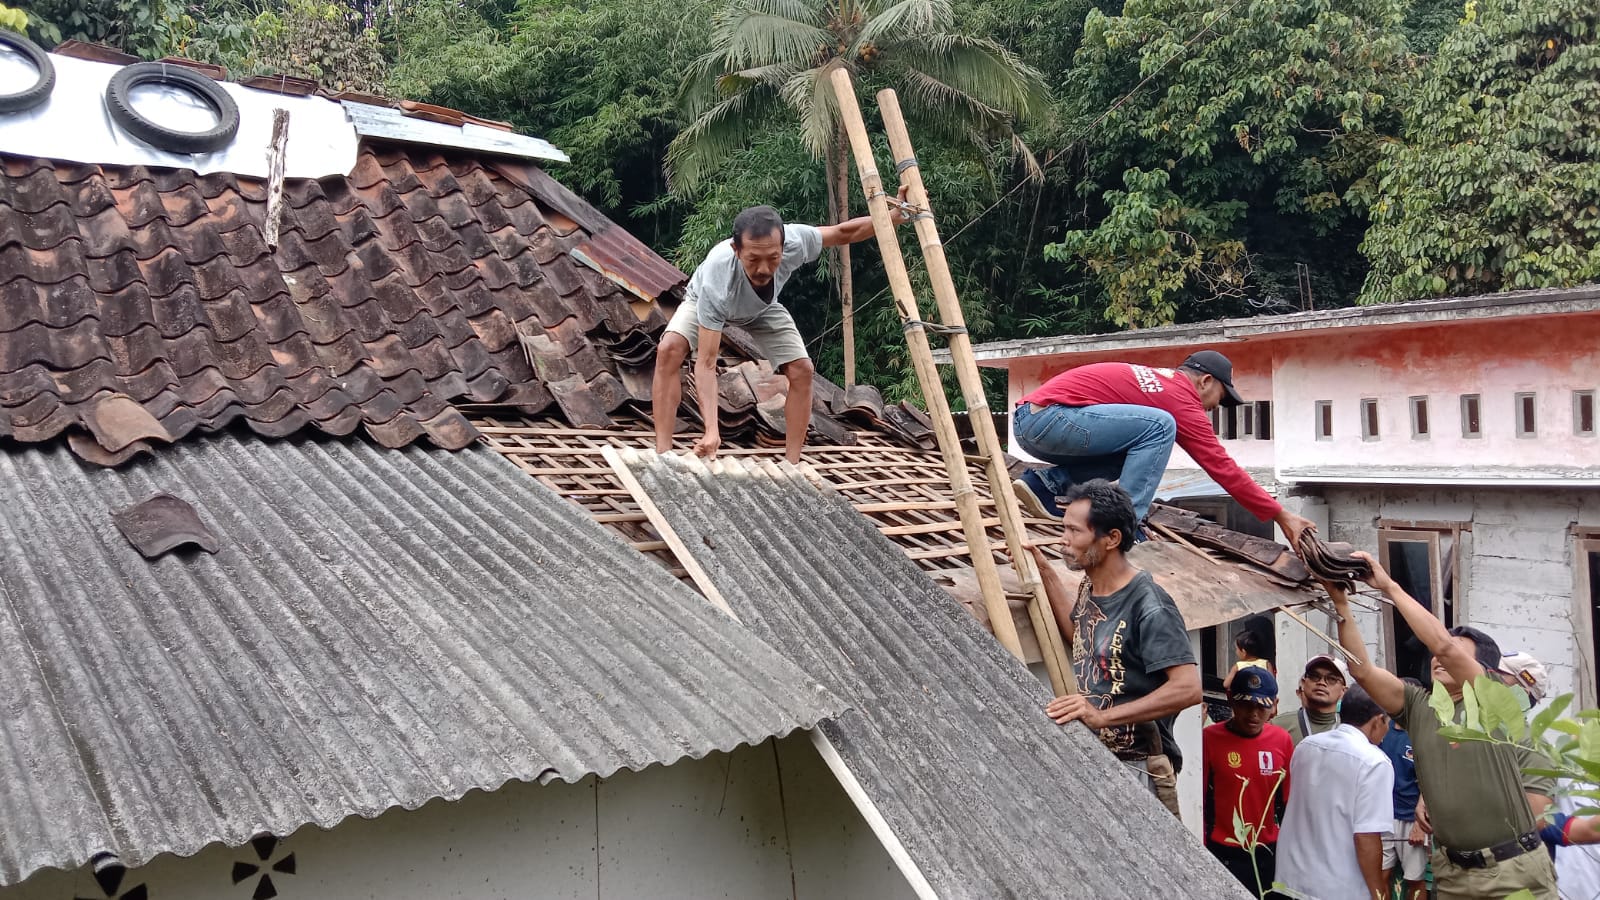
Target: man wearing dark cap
x=1118 y=421
x=1246 y=780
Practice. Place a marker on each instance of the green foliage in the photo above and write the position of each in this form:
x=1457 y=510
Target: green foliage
x=326 y=42
x=598 y=79
x=13 y=19
x=771 y=60
x=148 y=29
x=1497 y=185
x=1250 y=112
x=1151 y=245
x=1492 y=712
x=1248 y=834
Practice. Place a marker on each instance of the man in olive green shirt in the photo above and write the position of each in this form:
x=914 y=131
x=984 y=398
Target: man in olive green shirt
x=1482 y=805
x=1321 y=688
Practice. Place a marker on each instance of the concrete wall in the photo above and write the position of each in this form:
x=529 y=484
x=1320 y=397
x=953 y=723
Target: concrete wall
x=1517 y=571
x=1552 y=357
x=761 y=822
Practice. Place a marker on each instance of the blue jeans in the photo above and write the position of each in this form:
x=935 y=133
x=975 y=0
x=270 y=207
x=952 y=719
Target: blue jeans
x=1114 y=441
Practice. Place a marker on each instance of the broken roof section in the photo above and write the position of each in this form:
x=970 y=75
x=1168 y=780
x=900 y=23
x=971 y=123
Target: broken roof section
x=947 y=734
x=377 y=629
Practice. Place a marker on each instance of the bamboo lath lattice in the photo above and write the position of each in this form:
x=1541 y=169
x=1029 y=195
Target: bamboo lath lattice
x=904 y=490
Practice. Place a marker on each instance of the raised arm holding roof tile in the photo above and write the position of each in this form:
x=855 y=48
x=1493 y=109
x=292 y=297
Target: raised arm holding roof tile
x=1481 y=803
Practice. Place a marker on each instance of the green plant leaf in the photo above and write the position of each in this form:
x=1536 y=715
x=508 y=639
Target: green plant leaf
x=1441 y=704
x=1469 y=703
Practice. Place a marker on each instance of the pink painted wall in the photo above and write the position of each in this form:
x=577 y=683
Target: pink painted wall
x=1252 y=375
x=1551 y=356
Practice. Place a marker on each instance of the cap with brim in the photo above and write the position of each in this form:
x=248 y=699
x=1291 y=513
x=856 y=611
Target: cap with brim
x=1326 y=661
x=1212 y=363
x=1527 y=672
x=1254 y=684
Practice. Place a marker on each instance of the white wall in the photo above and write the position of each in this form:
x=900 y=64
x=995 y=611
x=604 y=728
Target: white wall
x=1550 y=357
x=706 y=828
x=1517 y=569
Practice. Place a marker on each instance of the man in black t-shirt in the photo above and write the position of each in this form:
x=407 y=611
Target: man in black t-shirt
x=1131 y=656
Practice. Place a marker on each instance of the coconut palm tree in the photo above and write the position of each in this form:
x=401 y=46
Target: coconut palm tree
x=771 y=61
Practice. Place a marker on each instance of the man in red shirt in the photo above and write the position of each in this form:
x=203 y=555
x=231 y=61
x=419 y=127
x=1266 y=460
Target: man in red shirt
x=1118 y=421
x=1246 y=772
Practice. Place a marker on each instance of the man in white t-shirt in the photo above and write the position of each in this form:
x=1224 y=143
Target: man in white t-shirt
x=738 y=284
x=1331 y=844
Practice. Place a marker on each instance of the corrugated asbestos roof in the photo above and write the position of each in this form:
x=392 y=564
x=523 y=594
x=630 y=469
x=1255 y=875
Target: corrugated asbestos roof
x=378 y=629
x=947 y=733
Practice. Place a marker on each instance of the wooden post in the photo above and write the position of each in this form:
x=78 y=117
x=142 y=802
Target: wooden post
x=1056 y=660
x=944 y=427
x=277 y=156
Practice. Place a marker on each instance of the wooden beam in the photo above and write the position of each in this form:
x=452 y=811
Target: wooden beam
x=669 y=537
x=928 y=528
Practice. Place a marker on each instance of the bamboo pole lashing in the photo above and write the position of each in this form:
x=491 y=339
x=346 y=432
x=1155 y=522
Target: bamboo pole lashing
x=1057 y=662
x=1005 y=631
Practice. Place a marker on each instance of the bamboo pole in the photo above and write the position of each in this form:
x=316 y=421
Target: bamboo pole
x=1051 y=645
x=944 y=427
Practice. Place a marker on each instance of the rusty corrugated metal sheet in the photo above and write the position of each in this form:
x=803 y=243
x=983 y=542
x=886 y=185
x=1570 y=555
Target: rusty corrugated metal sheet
x=377 y=629
x=621 y=257
x=947 y=733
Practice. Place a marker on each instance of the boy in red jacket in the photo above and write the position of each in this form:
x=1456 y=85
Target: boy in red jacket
x=1118 y=421
x=1246 y=772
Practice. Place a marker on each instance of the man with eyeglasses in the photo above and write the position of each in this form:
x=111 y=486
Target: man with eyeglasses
x=1321 y=688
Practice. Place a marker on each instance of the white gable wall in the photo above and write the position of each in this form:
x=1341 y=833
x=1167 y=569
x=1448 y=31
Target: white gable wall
x=766 y=821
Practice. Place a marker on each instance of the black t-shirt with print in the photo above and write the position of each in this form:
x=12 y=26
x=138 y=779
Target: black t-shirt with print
x=1122 y=645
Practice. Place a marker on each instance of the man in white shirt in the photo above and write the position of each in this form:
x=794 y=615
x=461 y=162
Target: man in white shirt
x=1331 y=844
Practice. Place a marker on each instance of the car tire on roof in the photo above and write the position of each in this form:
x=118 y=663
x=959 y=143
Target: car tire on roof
x=39 y=91
x=158 y=135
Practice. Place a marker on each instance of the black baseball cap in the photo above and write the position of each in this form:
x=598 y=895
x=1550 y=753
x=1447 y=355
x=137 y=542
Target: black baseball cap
x=1210 y=362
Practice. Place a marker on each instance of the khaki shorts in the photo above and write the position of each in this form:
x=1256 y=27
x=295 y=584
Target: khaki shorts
x=1531 y=871
x=1412 y=859
x=774 y=332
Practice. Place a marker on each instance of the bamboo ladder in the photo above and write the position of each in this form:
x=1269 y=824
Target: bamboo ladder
x=1051 y=645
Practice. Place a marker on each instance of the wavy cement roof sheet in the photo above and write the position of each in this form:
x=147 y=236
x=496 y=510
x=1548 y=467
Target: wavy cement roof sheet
x=379 y=628
x=392 y=293
x=946 y=733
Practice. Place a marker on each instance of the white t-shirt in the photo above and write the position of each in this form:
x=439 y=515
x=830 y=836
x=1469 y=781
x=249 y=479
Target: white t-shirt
x=722 y=292
x=1343 y=786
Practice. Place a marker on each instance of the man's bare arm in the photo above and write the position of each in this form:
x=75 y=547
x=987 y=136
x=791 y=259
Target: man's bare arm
x=705 y=388
x=1387 y=690
x=1180 y=691
x=1460 y=662
x=1062 y=600
x=855 y=230
x=1369 y=854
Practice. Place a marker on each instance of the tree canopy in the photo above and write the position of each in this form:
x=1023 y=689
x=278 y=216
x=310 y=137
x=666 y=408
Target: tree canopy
x=1186 y=159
